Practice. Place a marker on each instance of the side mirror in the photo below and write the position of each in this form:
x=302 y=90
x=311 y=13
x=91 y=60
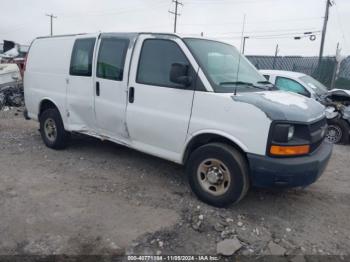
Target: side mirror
x=179 y=74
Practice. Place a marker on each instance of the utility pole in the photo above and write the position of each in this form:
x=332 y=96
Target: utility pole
x=176 y=14
x=244 y=41
x=242 y=36
x=51 y=22
x=324 y=30
x=275 y=58
x=336 y=66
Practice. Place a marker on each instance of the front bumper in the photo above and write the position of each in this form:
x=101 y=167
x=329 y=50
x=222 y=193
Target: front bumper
x=289 y=172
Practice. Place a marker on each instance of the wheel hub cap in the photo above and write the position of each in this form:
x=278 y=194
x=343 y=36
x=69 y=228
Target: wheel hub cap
x=214 y=177
x=50 y=129
x=334 y=134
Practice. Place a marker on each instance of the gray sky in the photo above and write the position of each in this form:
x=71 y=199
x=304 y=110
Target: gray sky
x=23 y=20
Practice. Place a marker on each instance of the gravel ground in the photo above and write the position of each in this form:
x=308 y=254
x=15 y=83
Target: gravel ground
x=100 y=198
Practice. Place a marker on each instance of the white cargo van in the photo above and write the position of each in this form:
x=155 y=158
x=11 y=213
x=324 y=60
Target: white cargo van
x=192 y=101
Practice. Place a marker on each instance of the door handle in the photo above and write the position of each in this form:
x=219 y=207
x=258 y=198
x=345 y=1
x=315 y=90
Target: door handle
x=97 y=88
x=131 y=95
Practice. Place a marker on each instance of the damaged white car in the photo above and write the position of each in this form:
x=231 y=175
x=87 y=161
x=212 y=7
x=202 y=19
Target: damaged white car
x=338 y=115
x=337 y=101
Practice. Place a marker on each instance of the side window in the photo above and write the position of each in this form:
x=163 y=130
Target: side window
x=267 y=77
x=157 y=56
x=290 y=85
x=81 y=60
x=111 y=58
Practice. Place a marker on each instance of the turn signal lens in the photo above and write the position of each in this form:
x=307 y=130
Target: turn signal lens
x=289 y=150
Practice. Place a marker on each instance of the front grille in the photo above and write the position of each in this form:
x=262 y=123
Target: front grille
x=317 y=133
x=318 y=125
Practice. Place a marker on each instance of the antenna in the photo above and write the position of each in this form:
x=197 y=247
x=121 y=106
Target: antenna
x=241 y=52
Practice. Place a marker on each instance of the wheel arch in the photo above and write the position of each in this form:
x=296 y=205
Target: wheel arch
x=46 y=103
x=199 y=139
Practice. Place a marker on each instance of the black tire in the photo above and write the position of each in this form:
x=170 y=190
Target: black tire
x=232 y=160
x=339 y=125
x=60 y=140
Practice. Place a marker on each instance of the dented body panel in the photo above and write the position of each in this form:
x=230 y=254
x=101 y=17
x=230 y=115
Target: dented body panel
x=279 y=105
x=230 y=118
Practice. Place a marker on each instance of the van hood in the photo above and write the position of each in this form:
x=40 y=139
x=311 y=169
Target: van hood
x=283 y=106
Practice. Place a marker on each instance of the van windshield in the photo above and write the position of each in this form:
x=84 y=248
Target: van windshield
x=225 y=67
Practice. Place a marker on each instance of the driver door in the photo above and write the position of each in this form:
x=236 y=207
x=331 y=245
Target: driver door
x=159 y=111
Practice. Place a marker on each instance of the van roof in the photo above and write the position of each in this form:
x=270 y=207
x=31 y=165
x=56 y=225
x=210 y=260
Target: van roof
x=109 y=33
x=129 y=34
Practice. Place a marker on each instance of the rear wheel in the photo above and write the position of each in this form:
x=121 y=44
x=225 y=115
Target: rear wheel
x=338 y=131
x=218 y=174
x=52 y=129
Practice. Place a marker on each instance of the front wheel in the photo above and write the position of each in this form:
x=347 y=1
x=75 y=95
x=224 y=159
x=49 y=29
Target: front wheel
x=52 y=129
x=338 y=131
x=218 y=174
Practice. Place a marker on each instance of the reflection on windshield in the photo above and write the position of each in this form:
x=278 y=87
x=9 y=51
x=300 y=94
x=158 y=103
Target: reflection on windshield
x=222 y=63
x=312 y=83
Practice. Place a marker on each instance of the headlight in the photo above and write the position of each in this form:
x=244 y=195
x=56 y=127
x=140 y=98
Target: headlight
x=291 y=130
x=289 y=140
x=283 y=133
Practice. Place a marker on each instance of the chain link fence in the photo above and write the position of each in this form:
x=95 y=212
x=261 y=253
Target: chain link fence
x=323 y=72
x=343 y=80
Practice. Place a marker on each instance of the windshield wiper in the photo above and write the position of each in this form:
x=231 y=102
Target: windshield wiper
x=235 y=83
x=264 y=82
x=242 y=83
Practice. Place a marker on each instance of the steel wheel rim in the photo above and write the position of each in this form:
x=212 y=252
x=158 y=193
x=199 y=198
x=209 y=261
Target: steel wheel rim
x=50 y=129
x=214 y=177
x=334 y=134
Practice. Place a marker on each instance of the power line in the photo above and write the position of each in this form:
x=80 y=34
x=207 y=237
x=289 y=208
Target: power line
x=51 y=22
x=175 y=13
x=288 y=35
x=281 y=31
x=254 y=22
x=300 y=34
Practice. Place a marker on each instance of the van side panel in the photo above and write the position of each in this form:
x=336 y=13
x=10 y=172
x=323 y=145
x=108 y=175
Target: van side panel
x=46 y=71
